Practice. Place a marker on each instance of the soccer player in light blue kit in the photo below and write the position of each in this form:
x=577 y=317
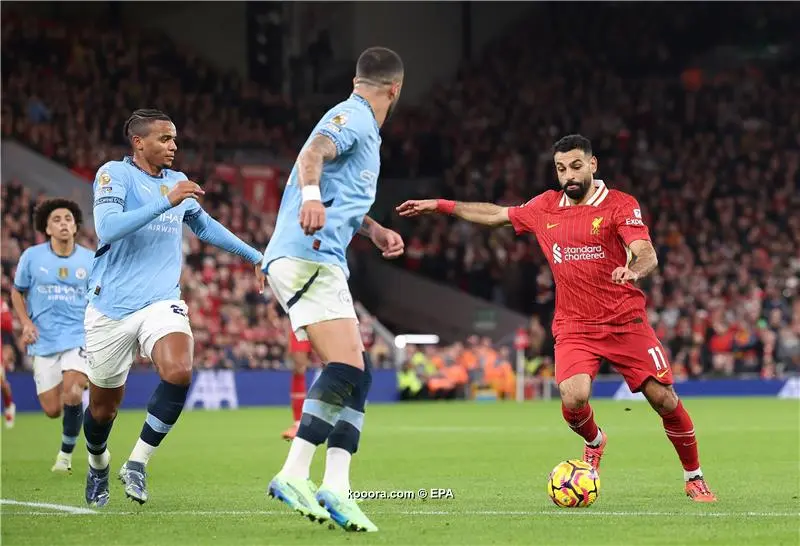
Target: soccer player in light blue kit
x=140 y=206
x=330 y=190
x=49 y=297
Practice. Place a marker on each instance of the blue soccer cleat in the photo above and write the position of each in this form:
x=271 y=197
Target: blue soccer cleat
x=134 y=478
x=97 y=487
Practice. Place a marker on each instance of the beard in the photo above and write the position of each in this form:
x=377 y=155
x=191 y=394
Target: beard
x=578 y=189
x=390 y=110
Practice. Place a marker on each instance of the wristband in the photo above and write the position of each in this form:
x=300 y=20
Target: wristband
x=311 y=193
x=445 y=206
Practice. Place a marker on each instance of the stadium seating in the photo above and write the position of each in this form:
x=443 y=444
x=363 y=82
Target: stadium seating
x=689 y=144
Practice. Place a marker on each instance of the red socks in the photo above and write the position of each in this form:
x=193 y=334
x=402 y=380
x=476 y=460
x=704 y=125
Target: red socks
x=7 y=398
x=680 y=431
x=298 y=394
x=581 y=421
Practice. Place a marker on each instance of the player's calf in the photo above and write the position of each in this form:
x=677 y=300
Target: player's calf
x=346 y=434
x=72 y=390
x=679 y=429
x=579 y=415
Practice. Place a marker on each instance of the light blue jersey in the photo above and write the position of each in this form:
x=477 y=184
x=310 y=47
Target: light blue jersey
x=55 y=290
x=139 y=257
x=348 y=185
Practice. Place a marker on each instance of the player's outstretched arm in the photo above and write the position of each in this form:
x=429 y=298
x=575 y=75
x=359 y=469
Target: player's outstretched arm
x=212 y=232
x=643 y=262
x=487 y=214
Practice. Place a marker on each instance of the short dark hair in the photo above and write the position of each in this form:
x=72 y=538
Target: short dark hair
x=46 y=208
x=379 y=65
x=573 y=142
x=139 y=122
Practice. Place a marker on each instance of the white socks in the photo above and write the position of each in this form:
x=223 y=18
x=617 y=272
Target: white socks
x=298 y=462
x=142 y=452
x=100 y=462
x=597 y=440
x=689 y=474
x=337 y=470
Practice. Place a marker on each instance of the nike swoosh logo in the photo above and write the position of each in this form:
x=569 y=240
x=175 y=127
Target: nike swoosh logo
x=145 y=188
x=662 y=374
x=551 y=226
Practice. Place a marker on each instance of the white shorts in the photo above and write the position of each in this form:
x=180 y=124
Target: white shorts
x=47 y=370
x=310 y=292
x=111 y=345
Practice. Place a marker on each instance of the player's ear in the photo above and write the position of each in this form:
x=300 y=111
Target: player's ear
x=593 y=164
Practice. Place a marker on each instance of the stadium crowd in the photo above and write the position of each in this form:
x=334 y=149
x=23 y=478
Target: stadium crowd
x=713 y=161
x=713 y=158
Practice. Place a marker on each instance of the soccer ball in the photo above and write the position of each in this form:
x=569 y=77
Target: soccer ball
x=573 y=484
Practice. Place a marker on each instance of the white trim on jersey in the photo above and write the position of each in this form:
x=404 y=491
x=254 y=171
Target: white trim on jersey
x=598 y=197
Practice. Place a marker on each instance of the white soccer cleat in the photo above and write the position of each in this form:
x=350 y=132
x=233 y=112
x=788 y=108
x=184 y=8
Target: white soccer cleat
x=10 y=415
x=63 y=464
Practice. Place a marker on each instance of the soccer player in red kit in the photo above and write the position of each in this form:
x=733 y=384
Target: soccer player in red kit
x=597 y=246
x=300 y=355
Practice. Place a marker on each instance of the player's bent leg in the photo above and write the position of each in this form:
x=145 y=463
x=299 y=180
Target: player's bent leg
x=73 y=385
x=579 y=415
x=680 y=431
x=47 y=376
x=343 y=442
x=172 y=355
x=97 y=423
x=338 y=343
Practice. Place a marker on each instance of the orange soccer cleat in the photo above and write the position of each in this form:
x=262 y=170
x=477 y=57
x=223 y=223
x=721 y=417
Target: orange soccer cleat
x=697 y=489
x=290 y=432
x=592 y=455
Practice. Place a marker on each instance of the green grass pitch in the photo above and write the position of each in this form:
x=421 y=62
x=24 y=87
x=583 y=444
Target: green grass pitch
x=207 y=481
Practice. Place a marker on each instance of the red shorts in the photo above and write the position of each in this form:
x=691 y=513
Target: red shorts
x=636 y=355
x=297 y=346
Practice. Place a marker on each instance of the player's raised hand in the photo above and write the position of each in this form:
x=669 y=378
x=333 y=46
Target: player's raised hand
x=184 y=190
x=312 y=216
x=416 y=207
x=29 y=333
x=621 y=275
x=389 y=242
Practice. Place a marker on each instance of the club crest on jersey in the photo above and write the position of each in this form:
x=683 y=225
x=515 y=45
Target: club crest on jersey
x=105 y=179
x=80 y=274
x=164 y=189
x=596 y=225
x=63 y=272
x=340 y=119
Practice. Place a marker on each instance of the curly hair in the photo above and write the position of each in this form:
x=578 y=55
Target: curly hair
x=43 y=212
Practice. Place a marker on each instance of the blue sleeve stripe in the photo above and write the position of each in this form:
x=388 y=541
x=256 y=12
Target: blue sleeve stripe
x=334 y=138
x=188 y=217
x=21 y=288
x=115 y=200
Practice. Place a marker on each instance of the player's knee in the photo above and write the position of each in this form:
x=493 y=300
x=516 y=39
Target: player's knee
x=53 y=410
x=662 y=398
x=177 y=372
x=574 y=394
x=102 y=411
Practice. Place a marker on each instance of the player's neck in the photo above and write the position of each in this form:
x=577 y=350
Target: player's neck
x=589 y=194
x=377 y=111
x=62 y=248
x=152 y=170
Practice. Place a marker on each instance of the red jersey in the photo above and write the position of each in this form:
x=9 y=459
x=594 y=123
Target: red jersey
x=583 y=245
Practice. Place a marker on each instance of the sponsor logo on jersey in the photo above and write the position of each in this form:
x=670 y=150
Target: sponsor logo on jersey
x=577 y=253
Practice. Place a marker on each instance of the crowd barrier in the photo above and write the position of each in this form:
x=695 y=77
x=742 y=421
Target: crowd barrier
x=217 y=389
